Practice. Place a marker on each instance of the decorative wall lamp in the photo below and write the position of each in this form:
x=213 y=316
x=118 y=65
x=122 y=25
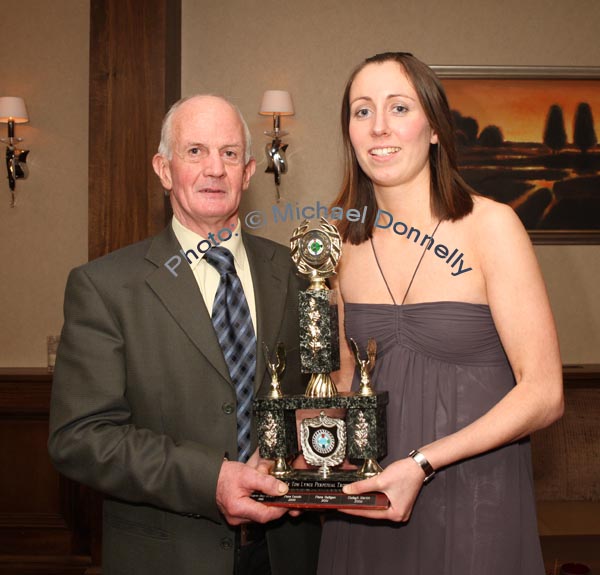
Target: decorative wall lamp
x=277 y=103
x=13 y=111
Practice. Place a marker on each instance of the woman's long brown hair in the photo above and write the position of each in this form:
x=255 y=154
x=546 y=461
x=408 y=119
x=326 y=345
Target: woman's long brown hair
x=451 y=196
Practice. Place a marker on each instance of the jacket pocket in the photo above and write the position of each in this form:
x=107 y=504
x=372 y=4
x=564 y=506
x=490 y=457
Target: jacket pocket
x=135 y=519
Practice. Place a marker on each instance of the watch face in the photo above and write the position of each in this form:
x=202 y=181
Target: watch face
x=323 y=441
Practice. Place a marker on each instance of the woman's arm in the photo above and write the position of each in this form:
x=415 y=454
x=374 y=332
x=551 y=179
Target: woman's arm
x=519 y=304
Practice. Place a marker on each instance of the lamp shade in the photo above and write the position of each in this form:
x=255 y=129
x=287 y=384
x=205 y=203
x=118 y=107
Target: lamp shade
x=13 y=108
x=277 y=102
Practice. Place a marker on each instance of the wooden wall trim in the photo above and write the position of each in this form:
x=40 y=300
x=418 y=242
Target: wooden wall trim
x=44 y=517
x=45 y=565
x=584 y=375
x=24 y=392
x=32 y=521
x=135 y=75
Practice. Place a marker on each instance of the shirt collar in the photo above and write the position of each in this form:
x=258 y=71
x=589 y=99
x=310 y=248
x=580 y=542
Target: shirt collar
x=194 y=244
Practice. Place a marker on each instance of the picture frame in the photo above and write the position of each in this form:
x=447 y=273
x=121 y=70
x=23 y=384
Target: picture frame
x=516 y=130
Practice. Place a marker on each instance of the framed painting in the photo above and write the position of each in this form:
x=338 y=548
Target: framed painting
x=528 y=137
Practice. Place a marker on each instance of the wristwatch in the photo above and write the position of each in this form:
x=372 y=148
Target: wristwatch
x=423 y=464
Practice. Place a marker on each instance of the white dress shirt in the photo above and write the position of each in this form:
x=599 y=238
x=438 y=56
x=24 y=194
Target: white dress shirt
x=207 y=277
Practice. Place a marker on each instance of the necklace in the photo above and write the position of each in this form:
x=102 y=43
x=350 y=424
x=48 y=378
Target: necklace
x=414 y=272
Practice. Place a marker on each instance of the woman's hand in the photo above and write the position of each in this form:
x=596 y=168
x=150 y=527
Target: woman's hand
x=401 y=482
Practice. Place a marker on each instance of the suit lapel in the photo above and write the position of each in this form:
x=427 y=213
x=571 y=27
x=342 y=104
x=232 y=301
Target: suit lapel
x=181 y=296
x=270 y=282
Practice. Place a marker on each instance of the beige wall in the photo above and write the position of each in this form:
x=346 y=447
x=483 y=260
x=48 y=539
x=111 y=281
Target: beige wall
x=44 y=59
x=240 y=48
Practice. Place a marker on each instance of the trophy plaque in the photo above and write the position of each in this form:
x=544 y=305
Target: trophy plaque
x=326 y=440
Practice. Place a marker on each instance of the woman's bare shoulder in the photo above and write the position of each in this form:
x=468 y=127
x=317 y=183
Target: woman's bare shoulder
x=489 y=214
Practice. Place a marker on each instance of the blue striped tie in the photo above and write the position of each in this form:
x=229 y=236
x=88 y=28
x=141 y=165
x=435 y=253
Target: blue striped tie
x=233 y=325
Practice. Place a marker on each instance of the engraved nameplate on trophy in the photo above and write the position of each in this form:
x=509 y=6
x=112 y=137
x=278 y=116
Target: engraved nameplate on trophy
x=326 y=440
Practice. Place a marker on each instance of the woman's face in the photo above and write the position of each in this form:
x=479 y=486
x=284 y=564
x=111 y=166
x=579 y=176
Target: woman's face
x=388 y=128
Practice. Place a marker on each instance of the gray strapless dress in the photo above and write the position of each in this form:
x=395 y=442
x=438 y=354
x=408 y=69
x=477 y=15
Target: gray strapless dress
x=444 y=366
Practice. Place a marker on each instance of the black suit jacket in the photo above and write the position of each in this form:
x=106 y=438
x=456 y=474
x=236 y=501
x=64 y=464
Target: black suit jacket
x=143 y=408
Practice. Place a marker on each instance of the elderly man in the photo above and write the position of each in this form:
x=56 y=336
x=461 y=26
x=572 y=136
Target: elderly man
x=158 y=364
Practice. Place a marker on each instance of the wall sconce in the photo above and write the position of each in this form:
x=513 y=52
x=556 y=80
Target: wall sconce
x=278 y=103
x=13 y=111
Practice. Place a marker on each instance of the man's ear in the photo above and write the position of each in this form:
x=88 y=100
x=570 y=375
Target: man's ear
x=163 y=171
x=249 y=170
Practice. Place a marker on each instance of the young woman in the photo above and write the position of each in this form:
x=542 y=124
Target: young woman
x=447 y=283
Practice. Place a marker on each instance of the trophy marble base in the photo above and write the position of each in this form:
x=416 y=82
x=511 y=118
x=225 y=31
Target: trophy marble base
x=309 y=490
x=365 y=424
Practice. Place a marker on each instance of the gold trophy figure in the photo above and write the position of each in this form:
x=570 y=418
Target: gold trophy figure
x=275 y=369
x=370 y=466
x=365 y=366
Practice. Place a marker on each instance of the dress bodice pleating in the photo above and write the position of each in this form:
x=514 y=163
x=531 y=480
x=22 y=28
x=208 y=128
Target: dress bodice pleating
x=456 y=332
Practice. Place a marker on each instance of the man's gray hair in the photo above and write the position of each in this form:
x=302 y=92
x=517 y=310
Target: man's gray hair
x=165 y=148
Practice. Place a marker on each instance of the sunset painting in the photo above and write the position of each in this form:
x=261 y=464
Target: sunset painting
x=533 y=144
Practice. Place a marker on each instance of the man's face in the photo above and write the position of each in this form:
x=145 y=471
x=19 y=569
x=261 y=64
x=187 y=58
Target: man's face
x=207 y=173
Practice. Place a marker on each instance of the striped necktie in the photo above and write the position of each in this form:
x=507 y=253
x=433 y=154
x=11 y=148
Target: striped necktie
x=233 y=325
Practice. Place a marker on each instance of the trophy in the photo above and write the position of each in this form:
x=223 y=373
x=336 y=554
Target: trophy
x=326 y=440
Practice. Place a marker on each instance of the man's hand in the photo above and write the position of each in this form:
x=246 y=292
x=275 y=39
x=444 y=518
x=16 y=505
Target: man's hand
x=261 y=465
x=235 y=484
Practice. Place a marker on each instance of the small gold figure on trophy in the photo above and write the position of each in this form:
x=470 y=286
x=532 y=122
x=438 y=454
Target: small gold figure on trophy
x=269 y=428
x=365 y=365
x=275 y=369
x=370 y=466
